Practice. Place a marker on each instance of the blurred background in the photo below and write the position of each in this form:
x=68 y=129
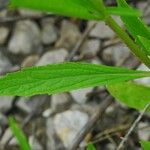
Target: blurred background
x=31 y=38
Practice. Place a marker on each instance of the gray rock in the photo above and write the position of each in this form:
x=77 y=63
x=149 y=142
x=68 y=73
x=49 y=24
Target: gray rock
x=3 y=34
x=90 y=47
x=47 y=113
x=80 y=96
x=5 y=103
x=101 y=31
x=28 y=104
x=68 y=124
x=69 y=35
x=116 y=53
x=144 y=134
x=30 y=61
x=4 y=63
x=29 y=13
x=52 y=142
x=3 y=4
x=60 y=102
x=110 y=146
x=5 y=137
x=34 y=143
x=3 y=120
x=3 y=13
x=145 y=81
x=26 y=38
x=54 y=56
x=23 y=105
x=49 y=32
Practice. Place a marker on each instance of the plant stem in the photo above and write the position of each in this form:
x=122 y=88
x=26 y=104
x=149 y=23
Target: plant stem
x=128 y=41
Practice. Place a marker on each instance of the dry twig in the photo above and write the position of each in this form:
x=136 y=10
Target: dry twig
x=132 y=127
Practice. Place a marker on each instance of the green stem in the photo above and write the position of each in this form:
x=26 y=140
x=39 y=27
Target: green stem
x=128 y=41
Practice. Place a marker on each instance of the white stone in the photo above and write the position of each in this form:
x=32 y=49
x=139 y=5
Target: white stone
x=116 y=53
x=144 y=134
x=5 y=102
x=4 y=63
x=146 y=80
x=7 y=135
x=29 y=13
x=90 y=47
x=54 y=56
x=26 y=38
x=101 y=31
x=47 y=113
x=3 y=34
x=60 y=102
x=49 y=32
x=34 y=143
x=80 y=95
x=69 y=35
x=68 y=124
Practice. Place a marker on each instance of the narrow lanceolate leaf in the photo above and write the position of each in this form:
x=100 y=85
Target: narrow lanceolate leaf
x=145 y=145
x=63 y=77
x=145 y=43
x=122 y=11
x=131 y=94
x=18 y=133
x=84 y=9
x=134 y=25
x=90 y=146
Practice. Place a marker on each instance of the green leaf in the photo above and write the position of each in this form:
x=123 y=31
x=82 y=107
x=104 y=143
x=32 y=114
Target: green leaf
x=145 y=145
x=18 y=134
x=63 y=77
x=145 y=43
x=135 y=26
x=85 y=9
x=121 y=11
x=90 y=146
x=132 y=94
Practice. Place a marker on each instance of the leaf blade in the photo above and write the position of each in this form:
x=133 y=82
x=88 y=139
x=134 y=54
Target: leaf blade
x=145 y=145
x=132 y=94
x=18 y=134
x=72 y=8
x=134 y=25
x=63 y=77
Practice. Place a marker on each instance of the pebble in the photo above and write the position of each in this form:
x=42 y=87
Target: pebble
x=53 y=143
x=30 y=61
x=29 y=13
x=3 y=120
x=5 y=137
x=25 y=38
x=116 y=53
x=144 y=134
x=101 y=31
x=69 y=35
x=146 y=80
x=29 y=104
x=90 y=47
x=5 y=102
x=3 y=34
x=110 y=146
x=60 y=102
x=34 y=143
x=68 y=124
x=54 y=56
x=3 y=4
x=5 y=64
x=80 y=95
x=49 y=32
